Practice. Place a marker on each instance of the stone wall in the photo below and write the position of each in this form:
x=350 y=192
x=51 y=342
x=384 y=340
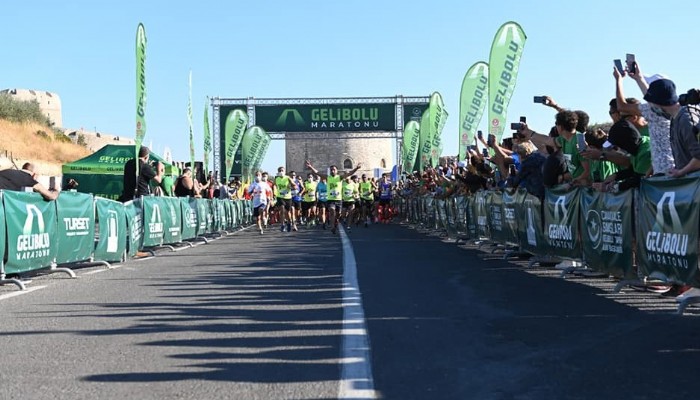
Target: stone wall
x=49 y=102
x=326 y=152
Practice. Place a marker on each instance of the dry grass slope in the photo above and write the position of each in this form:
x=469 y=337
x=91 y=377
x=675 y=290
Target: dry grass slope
x=22 y=140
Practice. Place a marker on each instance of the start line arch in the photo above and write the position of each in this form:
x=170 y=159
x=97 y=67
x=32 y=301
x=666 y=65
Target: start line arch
x=318 y=118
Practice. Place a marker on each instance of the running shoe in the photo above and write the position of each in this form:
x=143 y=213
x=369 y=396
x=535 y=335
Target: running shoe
x=289 y=226
x=294 y=227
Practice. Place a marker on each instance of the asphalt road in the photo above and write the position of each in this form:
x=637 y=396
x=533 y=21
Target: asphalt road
x=262 y=317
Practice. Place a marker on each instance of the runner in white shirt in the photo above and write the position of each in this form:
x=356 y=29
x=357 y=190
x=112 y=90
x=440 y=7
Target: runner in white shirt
x=260 y=191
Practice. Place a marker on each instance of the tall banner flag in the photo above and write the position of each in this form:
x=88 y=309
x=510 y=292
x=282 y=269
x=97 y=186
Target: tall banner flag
x=411 y=141
x=425 y=143
x=262 y=151
x=189 y=122
x=472 y=101
x=235 y=127
x=250 y=147
x=437 y=116
x=504 y=62
x=207 y=138
x=140 y=91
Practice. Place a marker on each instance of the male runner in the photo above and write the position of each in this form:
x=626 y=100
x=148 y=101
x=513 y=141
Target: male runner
x=334 y=191
x=259 y=191
x=270 y=198
x=297 y=193
x=385 y=198
x=308 y=205
x=367 y=189
x=283 y=189
x=349 y=188
x=322 y=192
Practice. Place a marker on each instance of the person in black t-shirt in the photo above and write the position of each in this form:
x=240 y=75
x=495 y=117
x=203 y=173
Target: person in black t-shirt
x=18 y=179
x=133 y=189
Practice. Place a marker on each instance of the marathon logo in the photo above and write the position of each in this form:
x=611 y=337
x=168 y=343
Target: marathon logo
x=155 y=226
x=32 y=245
x=668 y=248
x=561 y=234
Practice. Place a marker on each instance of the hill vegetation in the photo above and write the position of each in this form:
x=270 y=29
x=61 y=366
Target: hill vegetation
x=27 y=134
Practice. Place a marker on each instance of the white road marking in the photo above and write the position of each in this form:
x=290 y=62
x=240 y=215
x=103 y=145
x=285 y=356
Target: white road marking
x=356 y=380
x=21 y=292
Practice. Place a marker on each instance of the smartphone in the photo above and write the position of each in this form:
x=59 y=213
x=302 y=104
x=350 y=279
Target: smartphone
x=523 y=119
x=480 y=134
x=485 y=152
x=516 y=126
x=618 y=66
x=491 y=140
x=580 y=142
x=540 y=99
x=631 y=63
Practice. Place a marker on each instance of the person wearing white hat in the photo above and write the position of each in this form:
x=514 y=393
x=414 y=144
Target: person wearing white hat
x=662 y=159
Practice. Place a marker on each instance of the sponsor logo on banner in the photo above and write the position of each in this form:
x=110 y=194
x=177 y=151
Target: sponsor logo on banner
x=664 y=247
x=112 y=231
x=155 y=226
x=174 y=226
x=594 y=228
x=561 y=234
x=77 y=226
x=190 y=217
x=32 y=245
x=482 y=219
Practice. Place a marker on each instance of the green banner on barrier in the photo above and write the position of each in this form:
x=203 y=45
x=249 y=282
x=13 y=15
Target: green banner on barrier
x=153 y=221
x=31 y=231
x=530 y=223
x=605 y=234
x=667 y=228
x=188 y=210
x=134 y=221
x=481 y=214
x=561 y=222
x=76 y=227
x=509 y=215
x=112 y=232
x=472 y=230
x=494 y=205
x=172 y=218
x=2 y=236
x=203 y=216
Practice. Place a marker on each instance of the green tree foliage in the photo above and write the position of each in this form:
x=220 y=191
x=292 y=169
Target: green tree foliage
x=21 y=111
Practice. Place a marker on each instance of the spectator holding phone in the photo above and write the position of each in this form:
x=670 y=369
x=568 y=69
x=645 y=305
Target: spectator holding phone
x=659 y=122
x=530 y=175
x=626 y=137
x=566 y=123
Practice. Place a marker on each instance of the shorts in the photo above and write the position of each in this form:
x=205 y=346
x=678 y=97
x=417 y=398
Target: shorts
x=384 y=202
x=322 y=204
x=307 y=205
x=296 y=204
x=348 y=204
x=367 y=203
x=334 y=205
x=286 y=203
x=257 y=211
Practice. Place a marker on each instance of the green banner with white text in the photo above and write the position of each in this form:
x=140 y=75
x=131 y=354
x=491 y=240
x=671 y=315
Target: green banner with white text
x=236 y=124
x=76 y=227
x=411 y=141
x=112 y=230
x=134 y=222
x=251 y=145
x=561 y=222
x=529 y=215
x=667 y=228
x=425 y=143
x=140 y=90
x=504 y=63
x=207 y=138
x=31 y=231
x=438 y=116
x=472 y=102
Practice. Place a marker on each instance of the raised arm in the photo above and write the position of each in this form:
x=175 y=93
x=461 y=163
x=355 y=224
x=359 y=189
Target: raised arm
x=622 y=105
x=308 y=165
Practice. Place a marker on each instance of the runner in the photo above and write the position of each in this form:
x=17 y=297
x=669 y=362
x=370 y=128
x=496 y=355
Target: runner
x=308 y=205
x=384 y=211
x=270 y=197
x=349 y=189
x=259 y=191
x=283 y=193
x=367 y=188
x=297 y=193
x=334 y=195
x=321 y=205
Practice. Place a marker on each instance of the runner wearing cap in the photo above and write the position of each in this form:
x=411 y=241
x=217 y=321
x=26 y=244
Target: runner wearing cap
x=308 y=204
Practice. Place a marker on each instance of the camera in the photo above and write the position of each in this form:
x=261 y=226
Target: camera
x=691 y=97
x=540 y=99
x=516 y=126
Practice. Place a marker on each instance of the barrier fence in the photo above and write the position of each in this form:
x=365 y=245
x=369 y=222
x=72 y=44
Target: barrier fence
x=78 y=228
x=659 y=221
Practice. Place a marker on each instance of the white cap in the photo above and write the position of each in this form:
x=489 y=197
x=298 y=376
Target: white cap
x=655 y=77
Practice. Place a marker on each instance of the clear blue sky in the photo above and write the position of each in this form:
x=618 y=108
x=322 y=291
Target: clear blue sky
x=84 y=51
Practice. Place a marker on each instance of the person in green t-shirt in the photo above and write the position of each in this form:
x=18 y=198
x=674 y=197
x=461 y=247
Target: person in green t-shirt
x=566 y=123
x=334 y=182
x=367 y=189
x=625 y=137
